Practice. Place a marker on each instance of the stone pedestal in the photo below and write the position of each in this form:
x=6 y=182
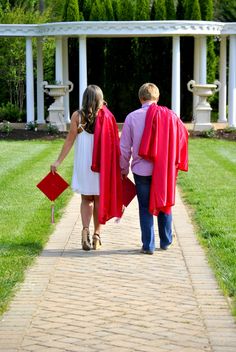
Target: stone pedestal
x=56 y=109
x=202 y=118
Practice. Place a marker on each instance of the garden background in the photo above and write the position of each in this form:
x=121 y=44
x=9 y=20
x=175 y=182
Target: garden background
x=119 y=65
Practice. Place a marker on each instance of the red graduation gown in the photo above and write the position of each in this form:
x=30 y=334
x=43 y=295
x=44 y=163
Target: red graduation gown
x=106 y=160
x=165 y=143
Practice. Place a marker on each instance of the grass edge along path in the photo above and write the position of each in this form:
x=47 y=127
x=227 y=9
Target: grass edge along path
x=209 y=190
x=25 y=221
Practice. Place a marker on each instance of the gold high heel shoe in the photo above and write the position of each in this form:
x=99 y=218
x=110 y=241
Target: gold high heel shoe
x=96 y=241
x=85 y=240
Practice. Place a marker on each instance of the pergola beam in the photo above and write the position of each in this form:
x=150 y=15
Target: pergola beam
x=114 y=29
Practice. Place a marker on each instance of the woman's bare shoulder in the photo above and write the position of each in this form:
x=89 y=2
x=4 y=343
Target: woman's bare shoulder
x=75 y=116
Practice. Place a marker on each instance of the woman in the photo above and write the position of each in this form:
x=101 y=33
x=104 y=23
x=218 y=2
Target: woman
x=96 y=174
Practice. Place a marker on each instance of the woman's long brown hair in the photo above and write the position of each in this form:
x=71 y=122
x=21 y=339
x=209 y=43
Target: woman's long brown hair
x=92 y=101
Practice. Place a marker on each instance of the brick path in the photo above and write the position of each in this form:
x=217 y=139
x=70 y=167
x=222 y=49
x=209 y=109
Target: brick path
x=117 y=299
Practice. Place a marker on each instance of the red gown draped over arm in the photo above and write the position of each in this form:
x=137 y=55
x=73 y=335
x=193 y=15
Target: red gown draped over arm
x=106 y=160
x=165 y=143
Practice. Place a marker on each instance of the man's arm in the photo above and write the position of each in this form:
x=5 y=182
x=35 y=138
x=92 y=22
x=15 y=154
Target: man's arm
x=125 y=147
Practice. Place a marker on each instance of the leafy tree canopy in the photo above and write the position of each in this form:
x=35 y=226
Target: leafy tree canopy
x=97 y=11
x=127 y=10
x=87 y=4
x=170 y=10
x=225 y=10
x=71 y=11
x=108 y=10
x=206 y=7
x=116 y=9
x=180 y=10
x=142 y=11
x=192 y=9
x=158 y=10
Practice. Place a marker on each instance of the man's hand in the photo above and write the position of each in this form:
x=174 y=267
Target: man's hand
x=124 y=176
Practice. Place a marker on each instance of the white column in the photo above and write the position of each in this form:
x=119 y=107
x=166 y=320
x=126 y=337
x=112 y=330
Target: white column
x=29 y=81
x=40 y=93
x=66 y=78
x=175 y=94
x=203 y=60
x=82 y=67
x=223 y=87
x=232 y=81
x=59 y=60
x=196 y=70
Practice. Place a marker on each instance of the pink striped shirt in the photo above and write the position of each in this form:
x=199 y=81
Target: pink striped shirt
x=131 y=136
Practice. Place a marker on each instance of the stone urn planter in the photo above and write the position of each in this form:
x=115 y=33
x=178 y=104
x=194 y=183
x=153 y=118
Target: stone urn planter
x=202 y=118
x=56 y=109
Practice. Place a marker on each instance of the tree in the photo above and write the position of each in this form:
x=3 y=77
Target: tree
x=27 y=4
x=57 y=9
x=206 y=7
x=12 y=55
x=193 y=11
x=158 y=10
x=71 y=11
x=97 y=11
x=196 y=12
x=225 y=10
x=116 y=9
x=170 y=10
x=142 y=11
x=180 y=11
x=71 y=14
x=207 y=15
x=87 y=5
x=109 y=15
x=127 y=10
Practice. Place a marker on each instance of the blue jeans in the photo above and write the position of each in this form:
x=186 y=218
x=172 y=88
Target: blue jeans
x=143 y=184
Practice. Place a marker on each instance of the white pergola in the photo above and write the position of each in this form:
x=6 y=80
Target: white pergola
x=61 y=31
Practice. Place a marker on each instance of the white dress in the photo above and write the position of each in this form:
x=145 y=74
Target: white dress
x=84 y=180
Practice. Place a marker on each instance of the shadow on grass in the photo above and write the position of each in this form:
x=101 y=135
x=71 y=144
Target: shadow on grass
x=12 y=249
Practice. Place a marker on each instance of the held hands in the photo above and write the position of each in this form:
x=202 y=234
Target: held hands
x=124 y=176
x=54 y=166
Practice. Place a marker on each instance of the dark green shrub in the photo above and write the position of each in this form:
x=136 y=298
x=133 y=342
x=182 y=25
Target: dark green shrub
x=6 y=127
x=11 y=112
x=52 y=129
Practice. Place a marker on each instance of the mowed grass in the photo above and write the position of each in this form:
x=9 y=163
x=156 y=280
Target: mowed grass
x=25 y=222
x=210 y=189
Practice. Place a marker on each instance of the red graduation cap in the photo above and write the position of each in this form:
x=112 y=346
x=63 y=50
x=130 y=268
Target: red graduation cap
x=52 y=185
x=128 y=191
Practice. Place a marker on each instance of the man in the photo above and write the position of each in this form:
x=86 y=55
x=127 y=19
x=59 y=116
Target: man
x=157 y=141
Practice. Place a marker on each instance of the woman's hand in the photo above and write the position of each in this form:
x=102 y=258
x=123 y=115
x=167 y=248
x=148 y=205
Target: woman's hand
x=54 y=166
x=124 y=176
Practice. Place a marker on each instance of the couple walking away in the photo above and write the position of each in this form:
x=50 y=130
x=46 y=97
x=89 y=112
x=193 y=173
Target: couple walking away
x=157 y=142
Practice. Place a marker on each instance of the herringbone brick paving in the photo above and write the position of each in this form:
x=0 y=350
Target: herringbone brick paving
x=117 y=299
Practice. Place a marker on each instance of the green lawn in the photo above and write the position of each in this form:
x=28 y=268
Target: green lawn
x=25 y=212
x=210 y=189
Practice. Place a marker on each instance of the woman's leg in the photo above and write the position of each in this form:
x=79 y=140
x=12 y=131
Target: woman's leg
x=86 y=210
x=97 y=226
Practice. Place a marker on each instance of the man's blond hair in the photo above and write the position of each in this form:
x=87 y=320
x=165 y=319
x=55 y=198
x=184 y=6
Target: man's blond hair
x=148 y=91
